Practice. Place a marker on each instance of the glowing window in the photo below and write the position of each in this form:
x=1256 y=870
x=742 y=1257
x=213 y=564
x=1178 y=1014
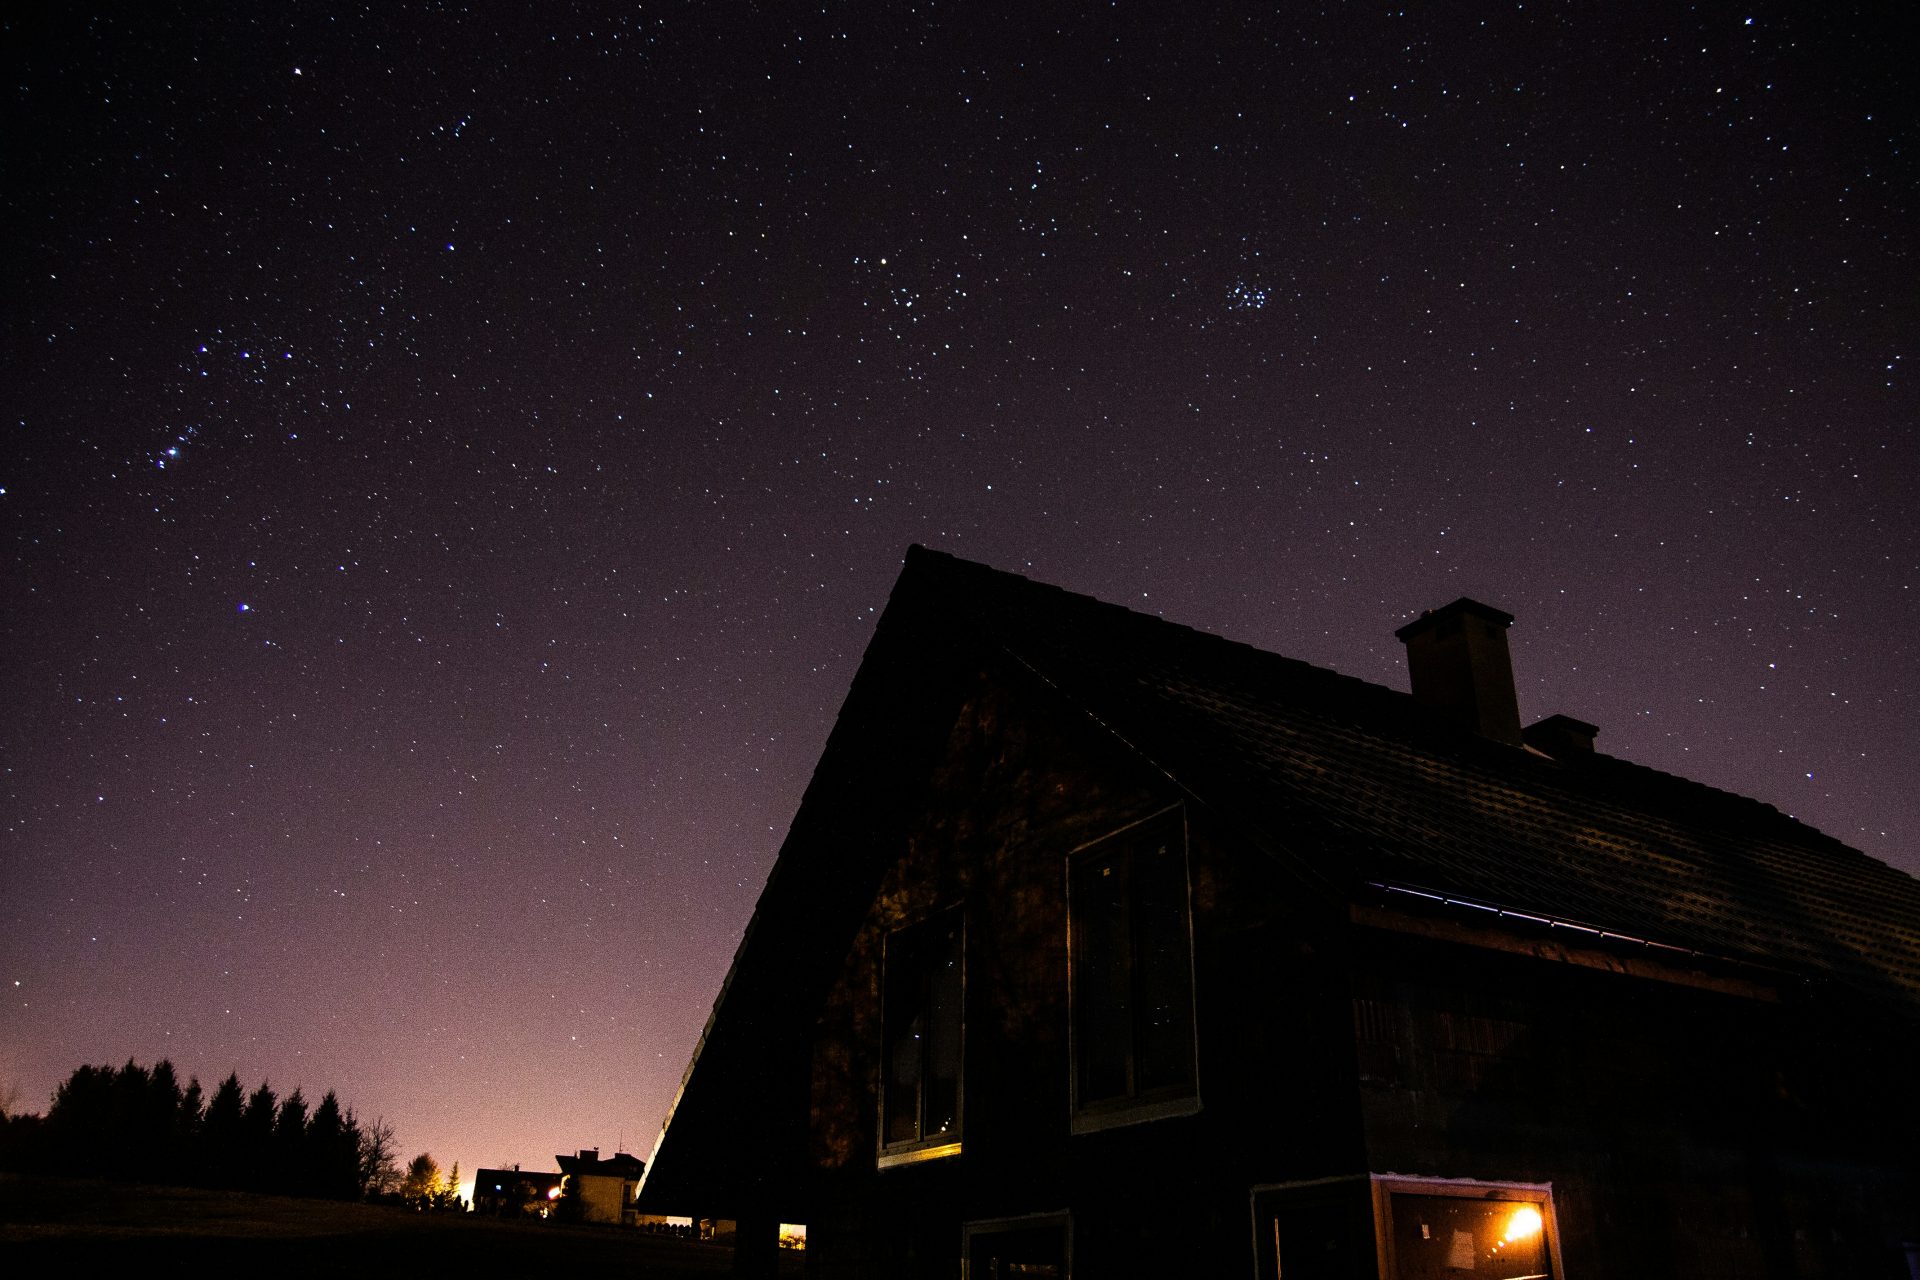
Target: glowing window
x=1437 y=1230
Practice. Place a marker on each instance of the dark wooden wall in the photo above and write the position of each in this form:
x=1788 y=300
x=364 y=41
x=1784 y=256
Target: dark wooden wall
x=1686 y=1132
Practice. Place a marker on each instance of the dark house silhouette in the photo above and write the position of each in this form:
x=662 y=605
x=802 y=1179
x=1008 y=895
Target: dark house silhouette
x=1103 y=946
x=512 y=1193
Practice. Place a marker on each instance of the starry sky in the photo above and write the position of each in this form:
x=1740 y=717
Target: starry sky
x=456 y=456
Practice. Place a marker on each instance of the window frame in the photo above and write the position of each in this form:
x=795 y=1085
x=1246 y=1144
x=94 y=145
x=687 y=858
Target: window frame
x=1387 y=1185
x=1342 y=1193
x=1136 y=1106
x=1061 y=1218
x=923 y=1146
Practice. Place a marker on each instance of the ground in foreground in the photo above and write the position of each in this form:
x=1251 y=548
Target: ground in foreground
x=58 y=1226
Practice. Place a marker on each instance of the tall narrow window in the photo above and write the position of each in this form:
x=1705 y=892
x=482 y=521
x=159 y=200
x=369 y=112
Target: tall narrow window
x=923 y=987
x=1132 y=976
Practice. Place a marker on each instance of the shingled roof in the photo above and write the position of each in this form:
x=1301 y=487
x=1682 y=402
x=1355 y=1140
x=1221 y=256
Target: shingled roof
x=1367 y=791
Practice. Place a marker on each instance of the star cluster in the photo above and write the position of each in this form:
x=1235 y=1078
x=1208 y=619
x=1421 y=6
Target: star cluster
x=457 y=458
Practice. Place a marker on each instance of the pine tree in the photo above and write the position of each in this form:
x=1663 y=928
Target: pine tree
x=256 y=1140
x=188 y=1118
x=332 y=1158
x=193 y=1110
x=133 y=1128
x=80 y=1121
x=289 y=1145
x=155 y=1131
x=222 y=1138
x=138 y=1124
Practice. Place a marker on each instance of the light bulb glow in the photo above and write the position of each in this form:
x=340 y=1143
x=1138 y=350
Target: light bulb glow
x=1524 y=1224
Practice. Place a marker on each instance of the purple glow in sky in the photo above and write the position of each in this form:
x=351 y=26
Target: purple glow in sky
x=416 y=652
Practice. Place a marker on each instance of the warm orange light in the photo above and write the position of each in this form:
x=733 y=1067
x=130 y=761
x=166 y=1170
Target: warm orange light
x=554 y=1194
x=1524 y=1223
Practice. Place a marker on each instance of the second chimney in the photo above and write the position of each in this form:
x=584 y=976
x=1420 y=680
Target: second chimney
x=1458 y=661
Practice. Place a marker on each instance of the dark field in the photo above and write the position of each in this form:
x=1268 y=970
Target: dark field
x=60 y=1227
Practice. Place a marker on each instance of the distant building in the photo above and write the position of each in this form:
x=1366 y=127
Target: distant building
x=1104 y=946
x=606 y=1187
x=510 y=1193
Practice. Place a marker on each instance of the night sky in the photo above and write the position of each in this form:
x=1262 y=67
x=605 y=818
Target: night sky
x=455 y=460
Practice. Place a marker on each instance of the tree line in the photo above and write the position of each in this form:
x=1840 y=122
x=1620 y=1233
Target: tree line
x=138 y=1124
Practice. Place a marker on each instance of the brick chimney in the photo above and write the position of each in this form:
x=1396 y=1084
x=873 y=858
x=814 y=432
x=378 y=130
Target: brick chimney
x=1457 y=658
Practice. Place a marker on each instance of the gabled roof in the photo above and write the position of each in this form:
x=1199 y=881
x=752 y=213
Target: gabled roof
x=1367 y=790
x=1359 y=789
x=621 y=1164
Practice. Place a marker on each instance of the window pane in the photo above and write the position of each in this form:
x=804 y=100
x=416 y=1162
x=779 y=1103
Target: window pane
x=1320 y=1233
x=941 y=1113
x=1163 y=969
x=1102 y=996
x=1028 y=1251
x=904 y=1021
x=1439 y=1237
x=921 y=1010
x=1132 y=967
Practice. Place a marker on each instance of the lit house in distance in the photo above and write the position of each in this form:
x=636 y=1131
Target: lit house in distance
x=1103 y=946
